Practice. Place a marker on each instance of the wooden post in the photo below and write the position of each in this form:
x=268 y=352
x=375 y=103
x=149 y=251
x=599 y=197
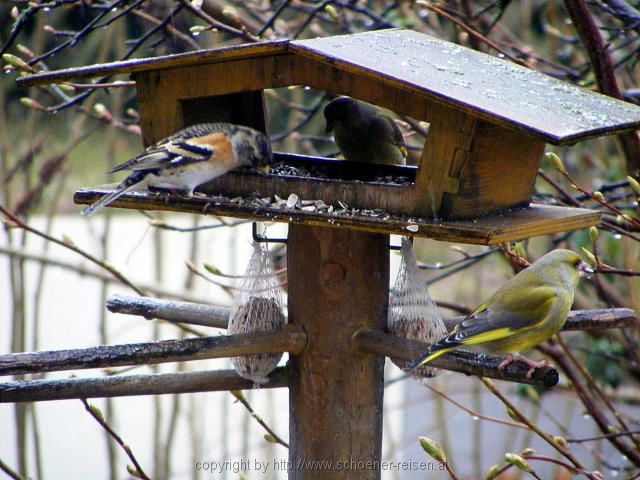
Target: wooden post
x=338 y=283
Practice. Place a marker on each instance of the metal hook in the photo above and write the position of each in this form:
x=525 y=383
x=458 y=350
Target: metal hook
x=395 y=247
x=263 y=238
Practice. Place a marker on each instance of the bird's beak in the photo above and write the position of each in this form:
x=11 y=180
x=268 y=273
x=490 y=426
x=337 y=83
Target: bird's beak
x=584 y=269
x=265 y=169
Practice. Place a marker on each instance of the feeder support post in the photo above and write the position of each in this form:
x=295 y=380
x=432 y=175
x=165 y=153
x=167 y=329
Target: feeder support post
x=338 y=282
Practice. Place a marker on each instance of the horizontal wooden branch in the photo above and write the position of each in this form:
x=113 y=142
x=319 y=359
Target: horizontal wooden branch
x=207 y=315
x=603 y=319
x=289 y=339
x=127 y=385
x=461 y=361
x=173 y=311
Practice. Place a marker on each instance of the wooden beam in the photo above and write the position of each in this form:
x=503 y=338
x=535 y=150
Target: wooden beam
x=456 y=77
x=199 y=57
x=377 y=342
x=462 y=361
x=289 y=339
x=128 y=385
x=170 y=310
x=601 y=319
x=338 y=283
x=494 y=229
x=217 y=317
x=491 y=88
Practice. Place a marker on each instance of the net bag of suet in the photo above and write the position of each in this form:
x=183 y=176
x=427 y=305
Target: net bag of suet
x=412 y=312
x=257 y=307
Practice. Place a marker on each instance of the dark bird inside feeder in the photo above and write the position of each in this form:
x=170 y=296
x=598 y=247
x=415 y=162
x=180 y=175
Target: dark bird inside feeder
x=191 y=157
x=363 y=133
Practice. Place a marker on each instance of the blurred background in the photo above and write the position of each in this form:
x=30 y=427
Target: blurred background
x=55 y=140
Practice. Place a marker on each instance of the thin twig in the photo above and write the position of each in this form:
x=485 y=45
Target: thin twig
x=601 y=201
x=470 y=31
x=90 y=26
x=104 y=86
x=97 y=274
x=596 y=388
x=560 y=358
x=474 y=414
x=276 y=438
x=101 y=263
x=616 y=271
x=66 y=244
x=193 y=269
x=10 y=472
x=450 y=471
x=545 y=436
x=600 y=59
x=218 y=25
x=170 y=28
x=602 y=437
x=97 y=415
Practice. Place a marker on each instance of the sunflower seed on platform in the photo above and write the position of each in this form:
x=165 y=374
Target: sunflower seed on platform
x=292 y=201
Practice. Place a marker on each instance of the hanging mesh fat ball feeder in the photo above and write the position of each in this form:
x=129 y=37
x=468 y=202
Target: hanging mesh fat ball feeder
x=412 y=312
x=257 y=307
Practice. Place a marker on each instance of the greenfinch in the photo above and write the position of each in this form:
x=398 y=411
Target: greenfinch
x=363 y=133
x=524 y=312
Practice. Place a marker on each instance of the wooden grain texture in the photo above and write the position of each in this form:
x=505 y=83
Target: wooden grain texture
x=338 y=282
x=507 y=226
x=461 y=361
x=158 y=118
x=289 y=338
x=170 y=310
x=220 y=91
x=224 y=54
x=602 y=319
x=469 y=167
x=446 y=150
x=218 y=317
x=591 y=320
x=498 y=171
x=128 y=385
x=463 y=79
x=361 y=193
x=489 y=87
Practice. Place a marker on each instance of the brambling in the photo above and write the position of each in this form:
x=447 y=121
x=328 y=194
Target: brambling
x=363 y=133
x=189 y=158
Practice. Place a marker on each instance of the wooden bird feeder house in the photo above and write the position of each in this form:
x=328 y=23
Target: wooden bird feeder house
x=489 y=123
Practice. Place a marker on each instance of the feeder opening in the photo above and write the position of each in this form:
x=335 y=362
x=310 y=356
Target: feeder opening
x=303 y=147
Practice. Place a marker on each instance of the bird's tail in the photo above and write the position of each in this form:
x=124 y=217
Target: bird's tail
x=441 y=347
x=107 y=199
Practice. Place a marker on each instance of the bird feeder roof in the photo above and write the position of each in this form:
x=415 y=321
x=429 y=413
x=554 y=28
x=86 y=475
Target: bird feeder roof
x=491 y=88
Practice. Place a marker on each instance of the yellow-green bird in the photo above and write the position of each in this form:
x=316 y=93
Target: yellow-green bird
x=363 y=133
x=524 y=312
